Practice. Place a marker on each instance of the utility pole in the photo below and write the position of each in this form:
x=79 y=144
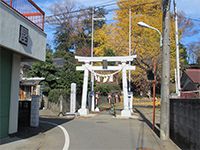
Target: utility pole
x=92 y=55
x=92 y=51
x=130 y=40
x=164 y=113
x=92 y=40
x=178 y=85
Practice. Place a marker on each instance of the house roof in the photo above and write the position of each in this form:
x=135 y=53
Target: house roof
x=59 y=62
x=194 y=75
x=31 y=81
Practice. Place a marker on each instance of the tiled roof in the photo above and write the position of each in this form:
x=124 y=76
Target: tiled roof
x=59 y=62
x=194 y=74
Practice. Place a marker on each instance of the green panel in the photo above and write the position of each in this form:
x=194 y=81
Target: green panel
x=5 y=83
x=4 y=126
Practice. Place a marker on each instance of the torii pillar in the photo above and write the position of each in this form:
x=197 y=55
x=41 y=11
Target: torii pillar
x=126 y=112
x=83 y=110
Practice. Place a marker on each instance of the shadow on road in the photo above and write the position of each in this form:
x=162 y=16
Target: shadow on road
x=28 y=132
x=156 y=130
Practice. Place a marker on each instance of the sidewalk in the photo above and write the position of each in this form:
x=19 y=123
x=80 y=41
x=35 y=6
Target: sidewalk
x=147 y=113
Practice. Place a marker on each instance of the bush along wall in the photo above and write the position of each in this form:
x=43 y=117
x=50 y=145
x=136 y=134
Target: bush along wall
x=54 y=100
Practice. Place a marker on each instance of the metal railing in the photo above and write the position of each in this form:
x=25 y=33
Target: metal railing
x=28 y=9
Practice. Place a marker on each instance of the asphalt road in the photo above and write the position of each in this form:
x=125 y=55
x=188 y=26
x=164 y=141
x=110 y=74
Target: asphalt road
x=100 y=132
x=103 y=132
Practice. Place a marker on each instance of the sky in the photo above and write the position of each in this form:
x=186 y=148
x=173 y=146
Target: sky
x=189 y=7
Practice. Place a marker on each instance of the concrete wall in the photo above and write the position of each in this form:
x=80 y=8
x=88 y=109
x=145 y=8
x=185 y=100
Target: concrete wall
x=14 y=94
x=10 y=22
x=185 y=123
x=34 y=120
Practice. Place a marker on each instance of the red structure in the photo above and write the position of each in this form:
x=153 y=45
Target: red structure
x=28 y=9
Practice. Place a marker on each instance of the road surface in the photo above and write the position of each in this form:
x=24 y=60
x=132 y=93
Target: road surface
x=98 y=132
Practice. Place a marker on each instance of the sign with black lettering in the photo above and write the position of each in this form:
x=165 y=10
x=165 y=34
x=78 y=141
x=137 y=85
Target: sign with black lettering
x=105 y=64
x=23 y=35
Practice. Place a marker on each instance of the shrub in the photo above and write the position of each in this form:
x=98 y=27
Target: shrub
x=106 y=88
x=55 y=94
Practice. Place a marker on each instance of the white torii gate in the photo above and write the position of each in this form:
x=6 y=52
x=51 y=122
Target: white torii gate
x=126 y=112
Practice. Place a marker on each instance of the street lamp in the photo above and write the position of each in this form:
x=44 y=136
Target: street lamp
x=92 y=54
x=142 y=24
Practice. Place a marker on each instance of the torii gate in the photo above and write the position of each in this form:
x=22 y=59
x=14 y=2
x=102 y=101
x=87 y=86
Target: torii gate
x=126 y=112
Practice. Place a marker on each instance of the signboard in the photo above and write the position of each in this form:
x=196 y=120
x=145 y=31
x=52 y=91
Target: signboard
x=105 y=64
x=23 y=35
x=150 y=75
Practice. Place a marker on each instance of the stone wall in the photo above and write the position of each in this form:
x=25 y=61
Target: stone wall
x=185 y=123
x=55 y=107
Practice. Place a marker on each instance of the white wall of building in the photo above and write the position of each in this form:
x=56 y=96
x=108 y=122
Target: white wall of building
x=14 y=94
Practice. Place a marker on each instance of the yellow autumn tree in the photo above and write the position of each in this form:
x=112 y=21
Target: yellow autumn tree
x=145 y=42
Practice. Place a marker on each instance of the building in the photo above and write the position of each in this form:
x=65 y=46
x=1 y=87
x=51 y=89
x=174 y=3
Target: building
x=190 y=83
x=58 y=62
x=22 y=39
x=29 y=87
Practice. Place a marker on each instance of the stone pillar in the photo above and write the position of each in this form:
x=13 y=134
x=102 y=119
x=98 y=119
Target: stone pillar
x=37 y=91
x=126 y=111
x=60 y=103
x=73 y=98
x=96 y=102
x=83 y=110
x=92 y=94
x=92 y=103
x=35 y=111
x=130 y=99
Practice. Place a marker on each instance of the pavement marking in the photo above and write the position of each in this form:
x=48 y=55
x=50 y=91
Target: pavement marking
x=67 y=139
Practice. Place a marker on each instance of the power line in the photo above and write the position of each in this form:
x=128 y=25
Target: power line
x=106 y=3
x=84 y=9
x=130 y=6
x=103 y=6
x=52 y=18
